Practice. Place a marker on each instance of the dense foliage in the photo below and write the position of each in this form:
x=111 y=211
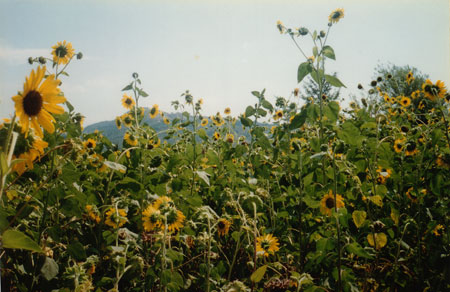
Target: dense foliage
x=328 y=199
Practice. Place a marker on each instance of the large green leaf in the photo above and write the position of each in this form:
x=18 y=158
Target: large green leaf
x=17 y=240
x=249 y=111
x=328 y=52
x=334 y=81
x=303 y=70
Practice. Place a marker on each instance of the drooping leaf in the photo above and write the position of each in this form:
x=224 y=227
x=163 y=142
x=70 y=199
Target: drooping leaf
x=303 y=70
x=204 y=176
x=357 y=249
x=377 y=200
x=334 y=81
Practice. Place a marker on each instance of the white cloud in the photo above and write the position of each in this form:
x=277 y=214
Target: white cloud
x=20 y=55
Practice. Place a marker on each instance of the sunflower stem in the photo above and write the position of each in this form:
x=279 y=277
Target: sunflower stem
x=208 y=263
x=339 y=286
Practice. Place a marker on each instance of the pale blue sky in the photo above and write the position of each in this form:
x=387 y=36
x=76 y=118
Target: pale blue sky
x=219 y=50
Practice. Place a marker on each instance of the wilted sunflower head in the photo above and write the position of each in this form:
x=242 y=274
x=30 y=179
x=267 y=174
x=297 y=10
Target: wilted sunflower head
x=336 y=15
x=223 y=226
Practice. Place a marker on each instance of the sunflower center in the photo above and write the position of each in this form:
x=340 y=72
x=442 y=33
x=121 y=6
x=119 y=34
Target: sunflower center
x=32 y=103
x=411 y=146
x=265 y=244
x=61 y=51
x=128 y=101
x=337 y=14
x=221 y=225
x=329 y=203
x=90 y=145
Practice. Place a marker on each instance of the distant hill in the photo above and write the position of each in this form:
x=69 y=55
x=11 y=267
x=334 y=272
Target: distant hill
x=115 y=135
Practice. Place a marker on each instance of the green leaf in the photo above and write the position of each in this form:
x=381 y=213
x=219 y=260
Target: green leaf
x=204 y=176
x=256 y=93
x=328 y=52
x=202 y=134
x=298 y=120
x=262 y=112
x=116 y=166
x=128 y=87
x=334 y=81
x=315 y=52
x=356 y=249
x=246 y=122
x=142 y=92
x=317 y=75
x=76 y=250
x=3 y=164
x=359 y=217
x=17 y=240
x=258 y=274
x=249 y=111
x=303 y=70
x=69 y=106
x=377 y=200
x=267 y=105
x=50 y=269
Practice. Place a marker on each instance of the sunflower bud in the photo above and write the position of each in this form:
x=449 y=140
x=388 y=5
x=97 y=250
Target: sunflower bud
x=371 y=91
x=30 y=60
x=79 y=56
x=322 y=34
x=373 y=83
x=360 y=86
x=364 y=102
x=42 y=60
x=303 y=31
x=135 y=75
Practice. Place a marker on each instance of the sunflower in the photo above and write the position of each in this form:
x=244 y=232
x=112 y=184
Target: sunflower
x=280 y=26
x=89 y=144
x=223 y=226
x=128 y=102
x=167 y=209
x=278 y=115
x=154 y=111
x=93 y=213
x=327 y=204
x=204 y=122
x=166 y=121
x=434 y=90
x=405 y=101
x=151 y=218
x=409 y=77
x=296 y=143
x=398 y=145
x=130 y=139
x=229 y=138
x=26 y=163
x=227 y=111
x=127 y=120
x=116 y=217
x=118 y=123
x=62 y=52
x=383 y=174
x=438 y=230
x=411 y=194
x=217 y=120
x=37 y=101
x=153 y=143
x=336 y=15
x=411 y=149
x=96 y=160
x=200 y=101
x=216 y=136
x=266 y=244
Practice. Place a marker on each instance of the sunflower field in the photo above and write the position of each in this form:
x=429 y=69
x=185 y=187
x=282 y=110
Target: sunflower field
x=324 y=199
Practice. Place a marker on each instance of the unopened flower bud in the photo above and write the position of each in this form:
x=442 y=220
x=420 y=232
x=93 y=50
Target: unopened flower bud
x=79 y=55
x=303 y=31
x=322 y=34
x=135 y=75
x=30 y=60
x=42 y=60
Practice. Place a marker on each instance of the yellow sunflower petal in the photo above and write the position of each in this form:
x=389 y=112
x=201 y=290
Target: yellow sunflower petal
x=53 y=108
x=45 y=119
x=36 y=127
